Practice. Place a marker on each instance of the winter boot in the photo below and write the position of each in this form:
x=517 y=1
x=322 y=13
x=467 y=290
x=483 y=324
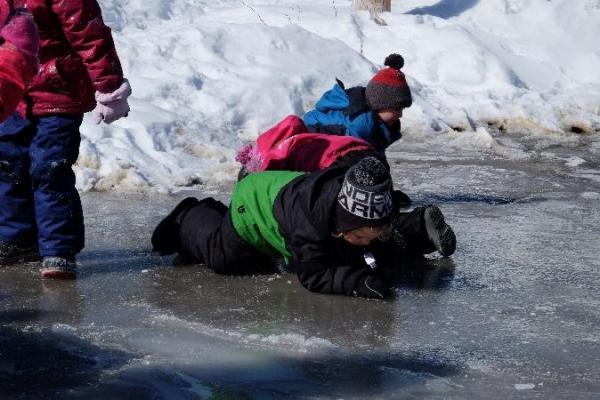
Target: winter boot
x=59 y=268
x=14 y=254
x=440 y=233
x=165 y=238
x=400 y=199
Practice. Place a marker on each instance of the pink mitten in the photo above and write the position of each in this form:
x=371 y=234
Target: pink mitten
x=249 y=157
x=112 y=106
x=21 y=31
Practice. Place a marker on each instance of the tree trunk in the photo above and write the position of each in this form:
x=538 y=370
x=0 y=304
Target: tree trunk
x=374 y=6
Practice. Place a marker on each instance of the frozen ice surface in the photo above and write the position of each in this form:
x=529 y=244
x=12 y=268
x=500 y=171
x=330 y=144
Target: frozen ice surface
x=518 y=304
x=524 y=386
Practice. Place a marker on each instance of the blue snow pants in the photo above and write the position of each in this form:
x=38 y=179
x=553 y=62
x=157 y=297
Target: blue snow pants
x=38 y=199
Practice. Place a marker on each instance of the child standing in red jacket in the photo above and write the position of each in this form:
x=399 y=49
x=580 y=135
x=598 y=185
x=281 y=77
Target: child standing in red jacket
x=79 y=70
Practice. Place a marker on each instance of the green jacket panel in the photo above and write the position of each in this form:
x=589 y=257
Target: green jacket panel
x=252 y=210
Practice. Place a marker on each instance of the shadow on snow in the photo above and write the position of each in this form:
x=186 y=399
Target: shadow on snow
x=445 y=8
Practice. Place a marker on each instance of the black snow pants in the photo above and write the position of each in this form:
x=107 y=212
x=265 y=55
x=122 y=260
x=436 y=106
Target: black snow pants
x=207 y=233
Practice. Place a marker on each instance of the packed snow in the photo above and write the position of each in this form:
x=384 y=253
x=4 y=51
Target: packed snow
x=208 y=76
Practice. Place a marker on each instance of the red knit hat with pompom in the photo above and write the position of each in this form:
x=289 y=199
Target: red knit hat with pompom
x=388 y=88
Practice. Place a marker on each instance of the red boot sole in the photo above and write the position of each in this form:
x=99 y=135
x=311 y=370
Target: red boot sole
x=58 y=275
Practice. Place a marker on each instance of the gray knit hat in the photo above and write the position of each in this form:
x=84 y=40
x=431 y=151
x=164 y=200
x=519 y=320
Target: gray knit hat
x=365 y=198
x=388 y=88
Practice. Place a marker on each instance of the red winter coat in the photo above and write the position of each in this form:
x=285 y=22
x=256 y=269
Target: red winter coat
x=287 y=146
x=77 y=56
x=15 y=75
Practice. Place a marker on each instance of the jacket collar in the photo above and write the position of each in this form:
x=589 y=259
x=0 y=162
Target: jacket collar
x=356 y=98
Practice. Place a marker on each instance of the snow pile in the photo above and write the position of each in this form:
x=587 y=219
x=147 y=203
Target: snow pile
x=209 y=75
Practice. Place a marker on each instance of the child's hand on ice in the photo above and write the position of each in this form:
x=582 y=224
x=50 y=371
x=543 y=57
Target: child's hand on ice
x=112 y=106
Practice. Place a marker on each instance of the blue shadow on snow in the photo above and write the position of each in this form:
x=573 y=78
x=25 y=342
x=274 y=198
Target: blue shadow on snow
x=445 y=8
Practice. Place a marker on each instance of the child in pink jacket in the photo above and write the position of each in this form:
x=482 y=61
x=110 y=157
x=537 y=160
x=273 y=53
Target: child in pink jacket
x=288 y=147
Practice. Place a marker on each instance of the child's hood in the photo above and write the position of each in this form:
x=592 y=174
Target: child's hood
x=334 y=99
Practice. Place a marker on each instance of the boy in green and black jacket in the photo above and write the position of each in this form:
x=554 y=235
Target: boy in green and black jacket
x=305 y=218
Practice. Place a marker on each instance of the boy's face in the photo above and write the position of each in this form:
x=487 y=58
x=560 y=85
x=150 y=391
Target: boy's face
x=365 y=235
x=389 y=116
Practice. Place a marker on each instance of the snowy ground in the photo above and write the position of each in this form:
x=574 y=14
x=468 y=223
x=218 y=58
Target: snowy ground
x=209 y=75
x=514 y=314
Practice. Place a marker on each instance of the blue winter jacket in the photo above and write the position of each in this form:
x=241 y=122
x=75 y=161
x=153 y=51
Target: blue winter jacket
x=346 y=112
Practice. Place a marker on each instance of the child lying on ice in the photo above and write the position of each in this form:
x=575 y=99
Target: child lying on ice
x=288 y=147
x=371 y=113
x=303 y=218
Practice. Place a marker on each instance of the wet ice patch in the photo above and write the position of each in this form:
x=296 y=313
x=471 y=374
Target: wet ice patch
x=586 y=173
x=591 y=195
x=294 y=342
x=524 y=386
x=574 y=162
x=458 y=183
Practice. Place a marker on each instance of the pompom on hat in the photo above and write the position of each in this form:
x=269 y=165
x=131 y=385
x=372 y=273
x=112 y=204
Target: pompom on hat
x=365 y=198
x=388 y=88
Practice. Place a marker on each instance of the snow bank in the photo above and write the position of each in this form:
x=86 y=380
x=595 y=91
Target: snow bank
x=209 y=75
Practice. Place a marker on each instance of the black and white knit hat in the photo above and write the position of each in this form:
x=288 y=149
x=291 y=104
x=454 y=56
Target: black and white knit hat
x=365 y=198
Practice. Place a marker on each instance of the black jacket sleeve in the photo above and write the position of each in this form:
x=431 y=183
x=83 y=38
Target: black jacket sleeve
x=304 y=210
x=351 y=281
